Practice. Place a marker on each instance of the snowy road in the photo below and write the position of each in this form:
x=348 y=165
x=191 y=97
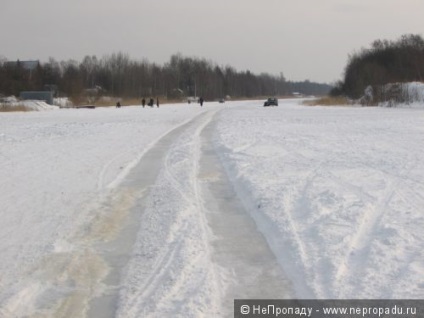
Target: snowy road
x=179 y=210
x=238 y=247
x=140 y=184
x=213 y=252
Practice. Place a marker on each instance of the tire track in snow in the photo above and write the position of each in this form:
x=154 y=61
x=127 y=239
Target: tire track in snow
x=155 y=278
x=173 y=240
x=301 y=206
x=81 y=277
x=242 y=253
x=154 y=163
x=124 y=173
x=352 y=266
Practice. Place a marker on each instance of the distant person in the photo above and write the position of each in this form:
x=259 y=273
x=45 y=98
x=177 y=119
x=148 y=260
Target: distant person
x=118 y=105
x=157 y=102
x=151 y=102
x=143 y=102
x=201 y=101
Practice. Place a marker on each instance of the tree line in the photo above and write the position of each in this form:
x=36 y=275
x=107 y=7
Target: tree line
x=120 y=76
x=384 y=62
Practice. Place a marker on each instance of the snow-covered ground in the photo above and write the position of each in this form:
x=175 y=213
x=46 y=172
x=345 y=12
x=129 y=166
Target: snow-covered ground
x=337 y=193
x=31 y=105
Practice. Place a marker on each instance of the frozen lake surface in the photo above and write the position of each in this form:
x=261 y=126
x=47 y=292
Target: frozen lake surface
x=180 y=209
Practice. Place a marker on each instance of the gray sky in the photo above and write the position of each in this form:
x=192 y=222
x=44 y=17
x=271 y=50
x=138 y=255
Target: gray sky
x=304 y=39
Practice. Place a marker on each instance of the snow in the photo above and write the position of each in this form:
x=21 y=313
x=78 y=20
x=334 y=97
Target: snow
x=337 y=192
x=34 y=105
x=62 y=102
x=37 y=105
x=57 y=168
x=184 y=284
x=410 y=95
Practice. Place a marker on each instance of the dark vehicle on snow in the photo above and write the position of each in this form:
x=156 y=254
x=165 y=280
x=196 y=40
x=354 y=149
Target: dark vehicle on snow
x=272 y=101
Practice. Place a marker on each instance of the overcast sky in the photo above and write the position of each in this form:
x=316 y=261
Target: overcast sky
x=304 y=39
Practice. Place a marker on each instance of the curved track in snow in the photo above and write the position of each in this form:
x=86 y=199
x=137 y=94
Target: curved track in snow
x=172 y=239
x=209 y=251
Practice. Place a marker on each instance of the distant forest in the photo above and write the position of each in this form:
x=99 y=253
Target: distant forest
x=385 y=62
x=118 y=75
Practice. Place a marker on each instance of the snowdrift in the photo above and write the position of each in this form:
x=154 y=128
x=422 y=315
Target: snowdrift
x=37 y=105
x=12 y=102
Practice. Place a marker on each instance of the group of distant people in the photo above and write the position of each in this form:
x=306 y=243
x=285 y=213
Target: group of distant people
x=143 y=103
x=152 y=102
